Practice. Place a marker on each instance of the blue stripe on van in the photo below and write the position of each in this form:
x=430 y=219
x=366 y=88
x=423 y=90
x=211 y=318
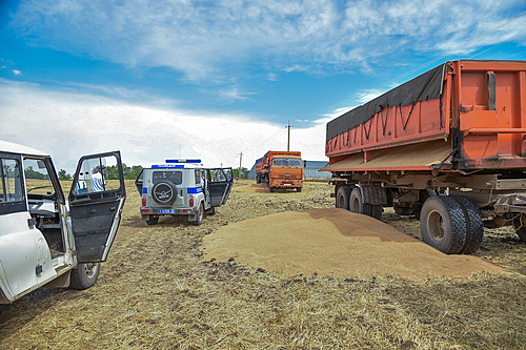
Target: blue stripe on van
x=145 y=190
x=194 y=190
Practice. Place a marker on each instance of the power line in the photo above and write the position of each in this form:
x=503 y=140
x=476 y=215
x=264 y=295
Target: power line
x=411 y=71
x=497 y=45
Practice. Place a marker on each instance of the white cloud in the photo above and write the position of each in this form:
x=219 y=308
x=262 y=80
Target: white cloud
x=203 y=38
x=233 y=94
x=68 y=125
x=16 y=72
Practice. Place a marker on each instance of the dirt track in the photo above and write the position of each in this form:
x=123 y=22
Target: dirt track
x=157 y=290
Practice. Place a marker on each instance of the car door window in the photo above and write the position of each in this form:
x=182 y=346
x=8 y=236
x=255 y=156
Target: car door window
x=38 y=180
x=98 y=175
x=11 y=181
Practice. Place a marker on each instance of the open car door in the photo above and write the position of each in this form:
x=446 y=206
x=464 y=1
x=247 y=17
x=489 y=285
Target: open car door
x=96 y=200
x=220 y=182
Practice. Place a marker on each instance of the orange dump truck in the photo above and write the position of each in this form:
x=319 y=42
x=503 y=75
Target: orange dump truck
x=280 y=169
x=448 y=146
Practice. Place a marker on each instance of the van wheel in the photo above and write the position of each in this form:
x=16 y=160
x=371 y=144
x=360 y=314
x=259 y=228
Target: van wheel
x=152 y=220
x=165 y=192
x=84 y=276
x=212 y=211
x=443 y=224
x=200 y=215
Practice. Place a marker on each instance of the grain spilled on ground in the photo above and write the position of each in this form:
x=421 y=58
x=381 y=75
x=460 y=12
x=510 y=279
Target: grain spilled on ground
x=333 y=242
x=254 y=188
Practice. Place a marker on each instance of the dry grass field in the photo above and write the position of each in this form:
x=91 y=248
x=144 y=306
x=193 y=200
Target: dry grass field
x=158 y=291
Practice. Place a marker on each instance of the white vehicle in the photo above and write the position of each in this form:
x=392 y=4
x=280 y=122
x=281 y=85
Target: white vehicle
x=46 y=241
x=182 y=187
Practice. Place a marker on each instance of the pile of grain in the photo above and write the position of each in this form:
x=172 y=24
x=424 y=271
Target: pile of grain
x=333 y=242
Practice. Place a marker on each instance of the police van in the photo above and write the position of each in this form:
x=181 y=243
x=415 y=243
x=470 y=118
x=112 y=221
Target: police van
x=182 y=187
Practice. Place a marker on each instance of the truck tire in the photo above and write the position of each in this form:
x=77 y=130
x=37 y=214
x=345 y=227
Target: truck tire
x=522 y=234
x=443 y=224
x=200 y=215
x=424 y=195
x=152 y=221
x=474 y=225
x=374 y=211
x=164 y=192
x=342 y=197
x=356 y=201
x=84 y=276
x=298 y=189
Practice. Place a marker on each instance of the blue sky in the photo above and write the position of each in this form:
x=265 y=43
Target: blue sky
x=161 y=79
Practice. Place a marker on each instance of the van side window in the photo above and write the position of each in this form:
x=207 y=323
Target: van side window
x=11 y=181
x=197 y=176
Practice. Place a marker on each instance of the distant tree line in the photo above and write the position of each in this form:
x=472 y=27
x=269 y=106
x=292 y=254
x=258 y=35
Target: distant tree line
x=244 y=173
x=131 y=173
x=30 y=173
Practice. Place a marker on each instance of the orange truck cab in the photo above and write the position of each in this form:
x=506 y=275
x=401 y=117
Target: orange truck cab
x=280 y=169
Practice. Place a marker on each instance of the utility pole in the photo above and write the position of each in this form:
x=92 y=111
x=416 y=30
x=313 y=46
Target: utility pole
x=288 y=140
x=240 y=159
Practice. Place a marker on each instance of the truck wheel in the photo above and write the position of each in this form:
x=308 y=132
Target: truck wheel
x=521 y=230
x=474 y=225
x=152 y=220
x=298 y=189
x=356 y=201
x=165 y=192
x=342 y=197
x=424 y=194
x=200 y=215
x=84 y=276
x=522 y=234
x=443 y=225
x=374 y=211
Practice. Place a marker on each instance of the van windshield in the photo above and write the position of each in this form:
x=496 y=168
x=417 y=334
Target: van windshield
x=290 y=162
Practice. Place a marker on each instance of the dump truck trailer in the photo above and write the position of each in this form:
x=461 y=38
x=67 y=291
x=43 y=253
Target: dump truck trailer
x=448 y=146
x=280 y=169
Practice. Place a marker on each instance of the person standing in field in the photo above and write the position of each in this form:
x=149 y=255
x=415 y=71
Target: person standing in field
x=97 y=179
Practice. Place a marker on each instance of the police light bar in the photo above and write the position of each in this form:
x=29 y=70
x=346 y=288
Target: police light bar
x=183 y=161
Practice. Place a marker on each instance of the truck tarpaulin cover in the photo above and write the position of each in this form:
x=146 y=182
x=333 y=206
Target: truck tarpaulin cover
x=427 y=86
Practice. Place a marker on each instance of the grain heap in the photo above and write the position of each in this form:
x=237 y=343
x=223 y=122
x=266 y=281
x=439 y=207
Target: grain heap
x=333 y=242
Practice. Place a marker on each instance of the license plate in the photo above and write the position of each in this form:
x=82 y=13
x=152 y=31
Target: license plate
x=167 y=211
